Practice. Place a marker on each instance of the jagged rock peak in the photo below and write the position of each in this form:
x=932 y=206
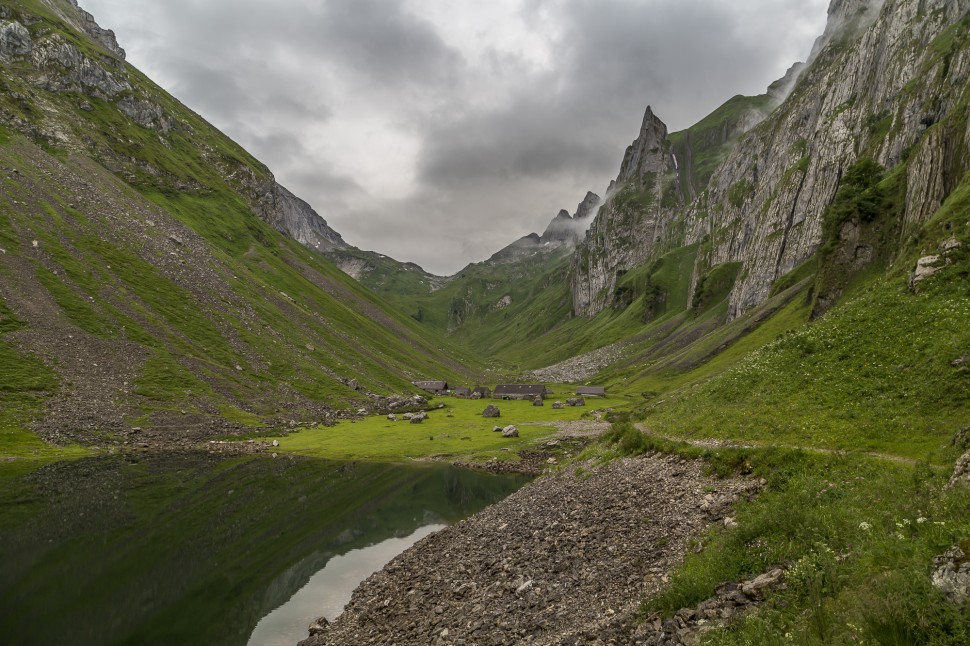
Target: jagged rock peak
x=587 y=208
x=562 y=227
x=83 y=21
x=845 y=18
x=646 y=153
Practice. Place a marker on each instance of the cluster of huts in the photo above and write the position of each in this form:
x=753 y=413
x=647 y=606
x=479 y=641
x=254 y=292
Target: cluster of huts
x=528 y=392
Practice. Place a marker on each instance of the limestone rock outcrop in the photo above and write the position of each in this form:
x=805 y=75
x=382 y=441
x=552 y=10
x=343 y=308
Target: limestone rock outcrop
x=873 y=87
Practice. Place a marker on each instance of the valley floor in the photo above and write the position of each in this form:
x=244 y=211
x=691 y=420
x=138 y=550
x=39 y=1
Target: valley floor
x=565 y=559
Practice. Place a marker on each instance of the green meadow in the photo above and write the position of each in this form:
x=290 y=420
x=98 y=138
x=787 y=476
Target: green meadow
x=458 y=429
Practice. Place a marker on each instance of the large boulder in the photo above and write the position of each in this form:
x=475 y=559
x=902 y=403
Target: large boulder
x=576 y=401
x=510 y=431
x=392 y=417
x=951 y=573
x=319 y=626
x=538 y=402
x=491 y=411
x=558 y=405
x=961 y=472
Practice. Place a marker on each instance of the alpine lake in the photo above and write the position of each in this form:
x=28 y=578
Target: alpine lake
x=195 y=548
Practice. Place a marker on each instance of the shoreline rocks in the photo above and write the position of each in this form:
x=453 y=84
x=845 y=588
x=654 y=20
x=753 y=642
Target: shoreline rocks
x=567 y=557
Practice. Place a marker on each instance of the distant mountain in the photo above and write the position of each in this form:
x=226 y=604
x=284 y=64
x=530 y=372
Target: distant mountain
x=710 y=225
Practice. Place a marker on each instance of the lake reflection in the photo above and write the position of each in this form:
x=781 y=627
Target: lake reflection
x=196 y=549
x=329 y=590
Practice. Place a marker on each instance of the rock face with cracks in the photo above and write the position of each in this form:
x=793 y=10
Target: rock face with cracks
x=875 y=86
x=566 y=557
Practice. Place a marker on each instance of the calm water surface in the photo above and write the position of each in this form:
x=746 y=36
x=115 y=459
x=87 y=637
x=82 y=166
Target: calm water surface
x=198 y=549
x=329 y=590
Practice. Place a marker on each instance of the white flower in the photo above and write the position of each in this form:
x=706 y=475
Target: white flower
x=921 y=520
x=864 y=525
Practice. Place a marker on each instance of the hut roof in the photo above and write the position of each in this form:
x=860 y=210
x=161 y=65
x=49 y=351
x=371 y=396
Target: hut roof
x=431 y=385
x=596 y=391
x=520 y=389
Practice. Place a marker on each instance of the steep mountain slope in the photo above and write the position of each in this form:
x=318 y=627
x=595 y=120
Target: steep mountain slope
x=887 y=81
x=148 y=281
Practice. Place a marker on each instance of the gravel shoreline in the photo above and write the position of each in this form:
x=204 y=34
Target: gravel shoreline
x=565 y=560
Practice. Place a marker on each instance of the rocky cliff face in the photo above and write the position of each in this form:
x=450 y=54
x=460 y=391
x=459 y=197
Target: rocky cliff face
x=887 y=80
x=294 y=217
x=633 y=223
x=50 y=60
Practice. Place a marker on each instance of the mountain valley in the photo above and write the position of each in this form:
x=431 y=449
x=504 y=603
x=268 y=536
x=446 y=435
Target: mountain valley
x=776 y=300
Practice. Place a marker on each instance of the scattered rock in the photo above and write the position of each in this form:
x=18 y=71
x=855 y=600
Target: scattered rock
x=491 y=411
x=496 y=429
x=951 y=573
x=757 y=586
x=925 y=267
x=951 y=244
x=538 y=401
x=961 y=471
x=510 y=431
x=319 y=626
x=575 y=401
x=558 y=405
x=392 y=417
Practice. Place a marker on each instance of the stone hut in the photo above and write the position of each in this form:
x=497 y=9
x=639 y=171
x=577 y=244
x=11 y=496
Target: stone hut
x=520 y=391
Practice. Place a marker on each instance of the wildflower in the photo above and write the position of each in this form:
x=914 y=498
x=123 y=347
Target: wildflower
x=921 y=520
x=865 y=526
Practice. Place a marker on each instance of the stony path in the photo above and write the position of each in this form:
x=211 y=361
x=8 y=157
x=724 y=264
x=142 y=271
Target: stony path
x=712 y=443
x=564 y=560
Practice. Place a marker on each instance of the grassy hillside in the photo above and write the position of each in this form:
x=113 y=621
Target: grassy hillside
x=701 y=148
x=142 y=289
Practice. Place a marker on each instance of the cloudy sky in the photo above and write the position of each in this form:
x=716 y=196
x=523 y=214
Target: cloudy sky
x=438 y=131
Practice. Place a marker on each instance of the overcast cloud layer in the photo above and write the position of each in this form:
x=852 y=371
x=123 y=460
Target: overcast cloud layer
x=438 y=131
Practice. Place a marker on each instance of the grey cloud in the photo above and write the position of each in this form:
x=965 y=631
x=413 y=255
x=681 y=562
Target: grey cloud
x=272 y=73
x=383 y=41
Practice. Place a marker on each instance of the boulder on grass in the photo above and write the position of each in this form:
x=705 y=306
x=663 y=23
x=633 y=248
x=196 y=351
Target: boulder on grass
x=575 y=401
x=510 y=431
x=538 y=402
x=496 y=429
x=392 y=417
x=491 y=411
x=558 y=405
